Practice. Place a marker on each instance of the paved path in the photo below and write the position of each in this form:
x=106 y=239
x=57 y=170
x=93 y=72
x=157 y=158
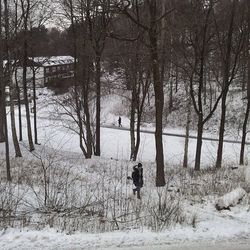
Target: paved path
x=189 y=246
x=173 y=134
x=151 y=132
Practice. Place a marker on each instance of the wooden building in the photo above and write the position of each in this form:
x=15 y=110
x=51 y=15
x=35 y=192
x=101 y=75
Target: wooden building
x=55 y=70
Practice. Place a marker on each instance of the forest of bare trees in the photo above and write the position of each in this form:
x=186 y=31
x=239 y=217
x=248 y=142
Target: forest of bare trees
x=199 y=48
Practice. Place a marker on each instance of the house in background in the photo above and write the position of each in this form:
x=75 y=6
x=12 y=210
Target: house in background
x=55 y=71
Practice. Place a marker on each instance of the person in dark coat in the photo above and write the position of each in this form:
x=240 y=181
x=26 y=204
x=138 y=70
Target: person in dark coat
x=137 y=177
x=120 y=121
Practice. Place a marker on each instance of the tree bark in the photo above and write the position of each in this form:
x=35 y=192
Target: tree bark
x=244 y=134
x=159 y=95
x=16 y=79
x=19 y=108
x=138 y=137
x=244 y=129
x=89 y=141
x=2 y=85
x=34 y=105
x=77 y=98
x=10 y=83
x=185 y=158
x=98 y=105
x=132 y=119
x=13 y=124
x=24 y=65
x=7 y=150
x=225 y=86
x=199 y=143
x=221 y=131
x=3 y=102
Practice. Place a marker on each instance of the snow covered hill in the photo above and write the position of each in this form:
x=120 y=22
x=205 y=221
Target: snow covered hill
x=59 y=200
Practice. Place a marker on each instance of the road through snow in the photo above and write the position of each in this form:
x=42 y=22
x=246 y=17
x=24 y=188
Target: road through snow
x=241 y=245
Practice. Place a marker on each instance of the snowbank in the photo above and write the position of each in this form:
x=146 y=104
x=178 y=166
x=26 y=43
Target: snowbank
x=230 y=199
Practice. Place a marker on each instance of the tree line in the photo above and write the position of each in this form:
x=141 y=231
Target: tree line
x=198 y=47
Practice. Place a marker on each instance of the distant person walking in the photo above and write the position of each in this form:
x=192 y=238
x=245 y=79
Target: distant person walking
x=137 y=177
x=120 y=122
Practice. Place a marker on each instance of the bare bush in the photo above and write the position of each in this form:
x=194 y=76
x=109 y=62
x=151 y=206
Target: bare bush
x=72 y=194
x=166 y=210
x=10 y=199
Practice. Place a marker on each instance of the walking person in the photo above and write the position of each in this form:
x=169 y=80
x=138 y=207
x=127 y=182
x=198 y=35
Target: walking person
x=120 y=122
x=137 y=177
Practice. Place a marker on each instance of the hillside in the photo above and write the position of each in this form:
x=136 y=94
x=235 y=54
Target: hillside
x=59 y=196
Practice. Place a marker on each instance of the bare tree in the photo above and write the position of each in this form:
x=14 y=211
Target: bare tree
x=244 y=128
x=229 y=62
x=16 y=59
x=189 y=103
x=2 y=87
x=151 y=26
x=137 y=75
x=98 y=15
x=82 y=76
x=9 y=81
x=26 y=8
x=195 y=47
x=3 y=102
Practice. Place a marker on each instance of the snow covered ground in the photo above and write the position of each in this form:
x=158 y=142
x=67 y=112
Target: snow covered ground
x=116 y=144
x=207 y=228
x=225 y=230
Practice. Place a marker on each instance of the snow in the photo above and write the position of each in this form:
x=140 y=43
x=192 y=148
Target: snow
x=205 y=223
x=231 y=199
x=214 y=227
x=247 y=174
x=116 y=143
x=53 y=60
x=48 y=238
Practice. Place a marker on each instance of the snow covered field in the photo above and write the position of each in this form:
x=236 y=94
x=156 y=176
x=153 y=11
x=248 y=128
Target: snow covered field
x=116 y=144
x=228 y=230
x=202 y=224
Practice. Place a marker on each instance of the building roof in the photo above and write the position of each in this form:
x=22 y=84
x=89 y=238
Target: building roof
x=53 y=60
x=44 y=61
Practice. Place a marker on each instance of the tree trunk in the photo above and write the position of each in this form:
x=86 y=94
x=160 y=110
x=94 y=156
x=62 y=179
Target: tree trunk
x=138 y=137
x=159 y=96
x=132 y=121
x=244 y=130
x=205 y=89
x=89 y=141
x=78 y=108
x=15 y=74
x=2 y=138
x=199 y=143
x=2 y=85
x=13 y=124
x=10 y=83
x=3 y=82
x=25 y=59
x=176 y=78
x=26 y=100
x=7 y=151
x=222 y=130
x=170 y=106
x=225 y=86
x=19 y=108
x=98 y=105
x=34 y=105
x=185 y=158
x=244 y=134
